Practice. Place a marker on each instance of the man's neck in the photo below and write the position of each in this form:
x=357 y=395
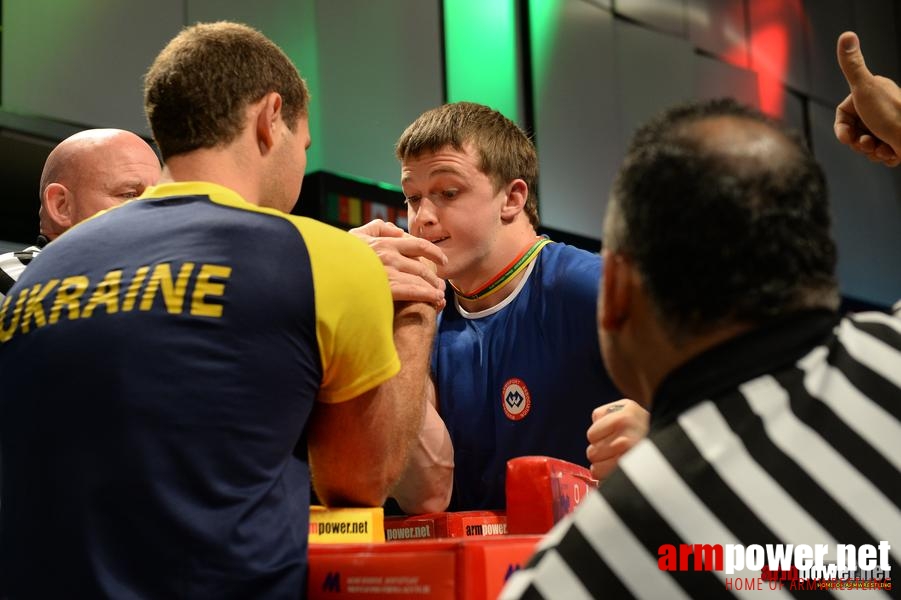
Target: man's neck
x=221 y=166
x=503 y=259
x=494 y=299
x=669 y=356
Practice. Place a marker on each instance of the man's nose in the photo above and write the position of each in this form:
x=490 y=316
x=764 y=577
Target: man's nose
x=424 y=217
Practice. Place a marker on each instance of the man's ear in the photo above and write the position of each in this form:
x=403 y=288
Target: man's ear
x=616 y=291
x=268 y=113
x=515 y=201
x=57 y=204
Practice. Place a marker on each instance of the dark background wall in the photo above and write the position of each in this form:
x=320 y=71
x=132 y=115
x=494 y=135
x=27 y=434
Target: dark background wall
x=579 y=75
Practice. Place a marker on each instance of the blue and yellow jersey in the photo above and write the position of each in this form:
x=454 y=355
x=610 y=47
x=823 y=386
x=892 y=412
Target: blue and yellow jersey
x=160 y=362
x=522 y=377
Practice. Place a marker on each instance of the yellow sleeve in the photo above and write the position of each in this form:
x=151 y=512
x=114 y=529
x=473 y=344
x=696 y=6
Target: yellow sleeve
x=354 y=313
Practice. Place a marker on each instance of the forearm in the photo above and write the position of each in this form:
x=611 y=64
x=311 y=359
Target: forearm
x=358 y=449
x=428 y=478
x=414 y=331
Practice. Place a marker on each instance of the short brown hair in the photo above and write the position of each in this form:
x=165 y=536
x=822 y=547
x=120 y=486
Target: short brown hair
x=197 y=89
x=697 y=205
x=505 y=151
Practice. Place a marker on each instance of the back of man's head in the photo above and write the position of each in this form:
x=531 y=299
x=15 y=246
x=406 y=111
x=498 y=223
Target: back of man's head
x=197 y=90
x=725 y=215
x=505 y=152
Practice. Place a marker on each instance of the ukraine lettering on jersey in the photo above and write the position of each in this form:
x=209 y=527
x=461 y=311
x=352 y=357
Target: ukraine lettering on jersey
x=77 y=297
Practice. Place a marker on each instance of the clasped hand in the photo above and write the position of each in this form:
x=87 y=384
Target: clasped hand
x=410 y=262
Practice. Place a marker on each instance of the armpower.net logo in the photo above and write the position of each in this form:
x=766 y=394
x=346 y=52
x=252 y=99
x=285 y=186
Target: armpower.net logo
x=785 y=566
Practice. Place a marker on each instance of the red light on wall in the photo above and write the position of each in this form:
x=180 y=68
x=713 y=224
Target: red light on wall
x=773 y=23
x=769 y=56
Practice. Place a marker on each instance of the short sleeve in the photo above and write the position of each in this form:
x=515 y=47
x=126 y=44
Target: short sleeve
x=354 y=313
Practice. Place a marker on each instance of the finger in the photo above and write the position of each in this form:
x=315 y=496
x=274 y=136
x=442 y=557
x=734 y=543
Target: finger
x=408 y=290
x=867 y=144
x=608 y=408
x=613 y=447
x=598 y=430
x=385 y=229
x=413 y=271
x=409 y=287
x=369 y=229
x=416 y=247
x=616 y=419
x=850 y=59
x=406 y=254
x=391 y=230
x=601 y=470
x=414 y=267
x=418 y=276
x=844 y=133
x=378 y=228
x=609 y=427
x=884 y=152
x=888 y=156
x=846 y=112
x=600 y=452
x=431 y=277
x=846 y=122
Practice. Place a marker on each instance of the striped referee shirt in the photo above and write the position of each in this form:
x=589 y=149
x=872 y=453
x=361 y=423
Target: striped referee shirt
x=11 y=266
x=790 y=434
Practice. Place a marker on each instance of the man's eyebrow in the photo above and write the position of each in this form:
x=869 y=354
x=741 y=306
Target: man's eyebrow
x=446 y=169
x=436 y=171
x=128 y=184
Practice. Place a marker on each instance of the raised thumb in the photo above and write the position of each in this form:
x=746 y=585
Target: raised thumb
x=850 y=59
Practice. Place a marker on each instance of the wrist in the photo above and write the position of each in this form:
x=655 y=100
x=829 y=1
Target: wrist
x=414 y=313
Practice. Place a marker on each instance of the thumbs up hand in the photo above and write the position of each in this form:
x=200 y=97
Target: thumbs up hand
x=869 y=119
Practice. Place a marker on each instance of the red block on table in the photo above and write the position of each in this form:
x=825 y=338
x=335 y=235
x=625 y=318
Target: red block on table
x=446 y=524
x=444 y=569
x=542 y=490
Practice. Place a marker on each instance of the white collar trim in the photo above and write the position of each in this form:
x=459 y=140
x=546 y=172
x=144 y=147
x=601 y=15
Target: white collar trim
x=497 y=307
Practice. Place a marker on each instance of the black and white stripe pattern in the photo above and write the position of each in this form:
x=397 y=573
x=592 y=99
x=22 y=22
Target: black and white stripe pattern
x=11 y=266
x=808 y=454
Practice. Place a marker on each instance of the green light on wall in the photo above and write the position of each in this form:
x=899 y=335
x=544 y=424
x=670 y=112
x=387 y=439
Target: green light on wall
x=481 y=57
x=544 y=19
x=299 y=38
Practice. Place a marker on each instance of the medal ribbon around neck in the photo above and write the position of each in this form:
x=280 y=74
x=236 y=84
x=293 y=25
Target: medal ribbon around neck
x=507 y=273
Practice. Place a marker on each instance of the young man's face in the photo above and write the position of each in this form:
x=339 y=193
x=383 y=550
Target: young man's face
x=453 y=204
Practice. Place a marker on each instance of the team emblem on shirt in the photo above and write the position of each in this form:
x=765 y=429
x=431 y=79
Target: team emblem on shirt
x=515 y=399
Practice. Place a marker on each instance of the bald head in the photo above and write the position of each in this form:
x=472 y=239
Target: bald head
x=91 y=171
x=747 y=144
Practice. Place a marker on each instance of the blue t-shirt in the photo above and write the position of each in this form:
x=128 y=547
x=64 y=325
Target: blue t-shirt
x=522 y=378
x=166 y=357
